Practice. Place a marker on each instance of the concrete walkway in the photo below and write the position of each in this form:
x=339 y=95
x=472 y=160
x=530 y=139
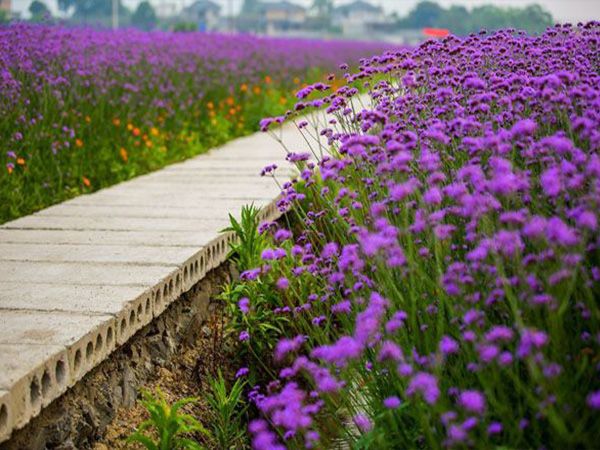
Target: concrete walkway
x=80 y=278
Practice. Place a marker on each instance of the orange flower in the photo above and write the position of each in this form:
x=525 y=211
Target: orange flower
x=124 y=155
x=256 y=89
x=145 y=137
x=20 y=161
x=232 y=111
x=116 y=122
x=136 y=132
x=154 y=131
x=296 y=80
x=149 y=144
x=86 y=182
x=268 y=79
x=79 y=143
x=210 y=105
x=244 y=87
x=282 y=101
x=230 y=101
x=10 y=169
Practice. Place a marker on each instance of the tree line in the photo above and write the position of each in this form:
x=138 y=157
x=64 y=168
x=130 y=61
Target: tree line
x=462 y=21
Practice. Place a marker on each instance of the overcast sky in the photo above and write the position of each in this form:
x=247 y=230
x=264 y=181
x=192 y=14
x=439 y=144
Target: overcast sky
x=562 y=10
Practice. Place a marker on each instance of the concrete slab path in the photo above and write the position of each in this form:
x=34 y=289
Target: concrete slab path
x=80 y=278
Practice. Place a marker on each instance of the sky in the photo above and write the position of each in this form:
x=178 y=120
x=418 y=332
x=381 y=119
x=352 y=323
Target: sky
x=562 y=10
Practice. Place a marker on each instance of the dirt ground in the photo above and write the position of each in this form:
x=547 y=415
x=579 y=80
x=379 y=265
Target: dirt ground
x=186 y=376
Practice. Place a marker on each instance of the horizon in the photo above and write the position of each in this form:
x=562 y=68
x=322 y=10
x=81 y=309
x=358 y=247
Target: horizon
x=561 y=10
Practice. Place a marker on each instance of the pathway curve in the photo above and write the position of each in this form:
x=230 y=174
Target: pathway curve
x=80 y=278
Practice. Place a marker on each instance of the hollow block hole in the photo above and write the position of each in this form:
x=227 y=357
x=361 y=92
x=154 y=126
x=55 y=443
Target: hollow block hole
x=59 y=372
x=89 y=351
x=46 y=383
x=77 y=361
x=3 y=417
x=34 y=391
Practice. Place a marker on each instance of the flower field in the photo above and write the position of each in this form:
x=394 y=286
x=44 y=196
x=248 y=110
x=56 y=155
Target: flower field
x=438 y=284
x=83 y=109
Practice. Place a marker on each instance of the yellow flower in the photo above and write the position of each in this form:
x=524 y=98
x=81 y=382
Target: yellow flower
x=124 y=155
x=244 y=87
x=296 y=80
x=129 y=126
x=154 y=131
x=10 y=169
x=88 y=119
x=149 y=144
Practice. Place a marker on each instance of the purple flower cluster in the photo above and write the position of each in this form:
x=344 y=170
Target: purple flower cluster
x=84 y=108
x=448 y=246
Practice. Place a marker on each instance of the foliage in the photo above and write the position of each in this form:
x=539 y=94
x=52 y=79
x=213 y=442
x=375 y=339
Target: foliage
x=184 y=27
x=227 y=411
x=167 y=428
x=91 y=10
x=83 y=109
x=440 y=288
x=461 y=21
x=262 y=324
x=39 y=11
x=246 y=249
x=144 y=16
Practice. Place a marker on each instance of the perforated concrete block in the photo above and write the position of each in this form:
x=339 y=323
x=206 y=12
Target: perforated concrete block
x=128 y=238
x=116 y=223
x=83 y=273
x=33 y=375
x=6 y=415
x=88 y=299
x=148 y=210
x=88 y=339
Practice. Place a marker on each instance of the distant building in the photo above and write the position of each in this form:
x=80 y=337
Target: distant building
x=282 y=16
x=204 y=13
x=353 y=18
x=5 y=5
